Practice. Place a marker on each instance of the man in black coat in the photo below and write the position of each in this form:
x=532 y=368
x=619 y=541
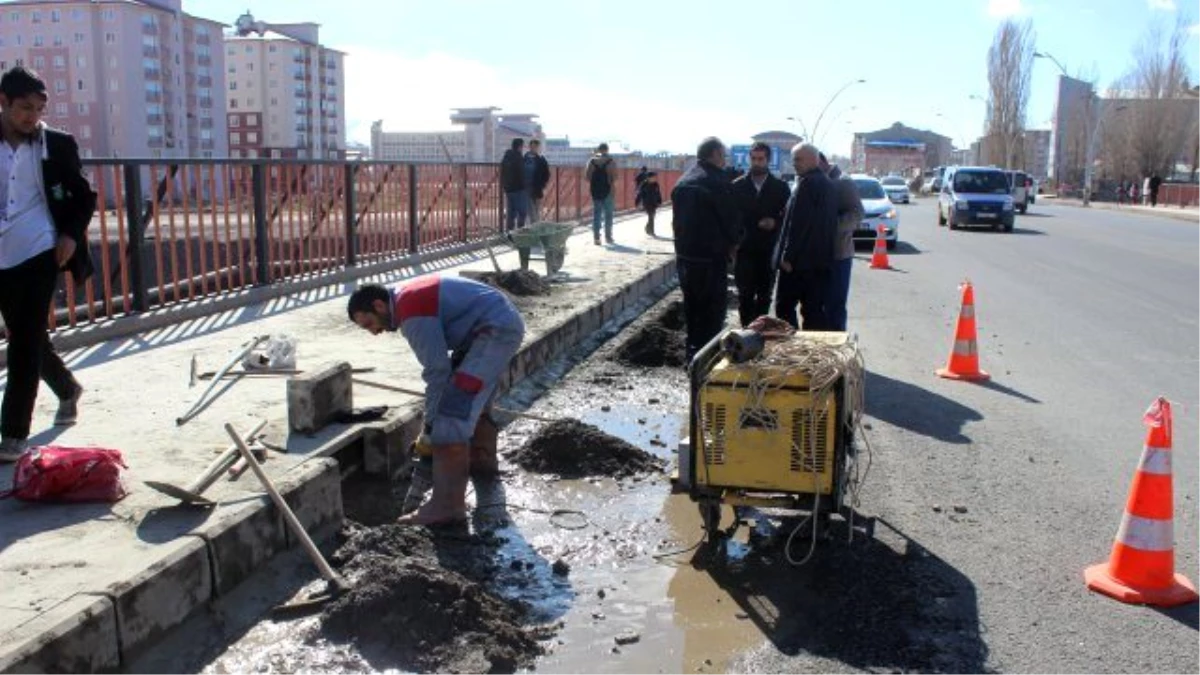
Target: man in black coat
x=805 y=252
x=512 y=181
x=537 y=176
x=46 y=205
x=761 y=199
x=707 y=232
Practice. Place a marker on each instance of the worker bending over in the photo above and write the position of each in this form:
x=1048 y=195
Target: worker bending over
x=464 y=334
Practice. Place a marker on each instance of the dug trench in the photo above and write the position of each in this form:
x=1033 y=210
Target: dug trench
x=599 y=569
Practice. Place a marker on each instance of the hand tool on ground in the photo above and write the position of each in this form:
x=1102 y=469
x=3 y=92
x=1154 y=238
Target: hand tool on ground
x=193 y=493
x=239 y=467
x=203 y=401
x=420 y=394
x=335 y=583
x=266 y=373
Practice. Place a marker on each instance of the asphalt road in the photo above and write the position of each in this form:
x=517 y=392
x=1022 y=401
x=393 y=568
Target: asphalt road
x=1085 y=316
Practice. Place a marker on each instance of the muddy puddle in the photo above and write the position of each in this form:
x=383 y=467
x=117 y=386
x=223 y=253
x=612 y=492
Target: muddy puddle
x=604 y=573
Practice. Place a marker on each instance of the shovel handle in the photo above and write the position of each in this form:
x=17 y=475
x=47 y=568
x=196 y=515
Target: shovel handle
x=221 y=463
x=293 y=522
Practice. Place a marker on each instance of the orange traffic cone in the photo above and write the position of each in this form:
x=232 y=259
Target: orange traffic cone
x=964 y=358
x=879 y=259
x=1141 y=569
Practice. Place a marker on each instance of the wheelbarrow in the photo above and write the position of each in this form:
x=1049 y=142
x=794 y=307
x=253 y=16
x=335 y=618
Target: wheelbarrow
x=552 y=237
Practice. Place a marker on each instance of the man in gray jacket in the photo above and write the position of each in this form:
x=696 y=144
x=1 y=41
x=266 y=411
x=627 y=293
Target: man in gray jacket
x=849 y=216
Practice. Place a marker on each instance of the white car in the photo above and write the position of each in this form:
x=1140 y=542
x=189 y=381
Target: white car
x=877 y=210
x=896 y=189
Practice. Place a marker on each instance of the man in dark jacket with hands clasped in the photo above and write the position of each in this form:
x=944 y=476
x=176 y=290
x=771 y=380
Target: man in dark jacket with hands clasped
x=805 y=252
x=761 y=200
x=707 y=232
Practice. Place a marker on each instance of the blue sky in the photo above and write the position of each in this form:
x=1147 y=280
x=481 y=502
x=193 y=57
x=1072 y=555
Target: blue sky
x=661 y=75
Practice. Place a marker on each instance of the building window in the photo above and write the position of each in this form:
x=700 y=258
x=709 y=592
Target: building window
x=252 y=120
x=87 y=153
x=235 y=138
x=60 y=86
x=109 y=14
x=148 y=21
x=36 y=16
x=235 y=121
x=275 y=154
x=112 y=84
x=77 y=15
x=110 y=38
x=230 y=51
x=233 y=103
x=231 y=69
x=60 y=109
x=251 y=137
x=232 y=85
x=250 y=67
x=273 y=84
x=250 y=102
x=112 y=61
x=252 y=153
x=57 y=40
x=201 y=30
x=60 y=63
x=55 y=16
x=14 y=17
x=113 y=108
x=39 y=62
x=38 y=41
x=206 y=134
x=79 y=37
x=271 y=49
x=82 y=108
x=249 y=49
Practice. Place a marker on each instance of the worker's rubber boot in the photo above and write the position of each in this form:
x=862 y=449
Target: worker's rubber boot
x=448 y=503
x=484 y=462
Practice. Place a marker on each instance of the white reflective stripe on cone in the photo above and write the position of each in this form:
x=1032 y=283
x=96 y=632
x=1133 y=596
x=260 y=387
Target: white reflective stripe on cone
x=968 y=312
x=1146 y=534
x=965 y=347
x=1156 y=461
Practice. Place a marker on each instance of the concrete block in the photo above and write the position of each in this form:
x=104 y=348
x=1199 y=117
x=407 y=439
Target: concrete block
x=240 y=540
x=161 y=596
x=314 y=492
x=314 y=399
x=385 y=446
x=78 y=635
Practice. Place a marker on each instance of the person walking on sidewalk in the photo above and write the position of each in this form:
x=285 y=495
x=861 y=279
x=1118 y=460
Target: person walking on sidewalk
x=601 y=175
x=649 y=197
x=537 y=176
x=512 y=181
x=761 y=200
x=464 y=334
x=46 y=205
x=707 y=231
x=1155 y=184
x=804 y=255
x=1145 y=190
x=849 y=215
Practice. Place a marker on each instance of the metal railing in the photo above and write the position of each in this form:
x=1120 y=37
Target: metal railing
x=176 y=231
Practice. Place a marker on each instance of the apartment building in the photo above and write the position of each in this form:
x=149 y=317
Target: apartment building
x=128 y=78
x=285 y=94
x=484 y=137
x=417 y=146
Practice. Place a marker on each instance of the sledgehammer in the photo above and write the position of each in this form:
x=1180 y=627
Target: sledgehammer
x=192 y=494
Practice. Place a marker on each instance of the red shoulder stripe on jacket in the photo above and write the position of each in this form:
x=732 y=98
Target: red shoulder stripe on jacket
x=418 y=298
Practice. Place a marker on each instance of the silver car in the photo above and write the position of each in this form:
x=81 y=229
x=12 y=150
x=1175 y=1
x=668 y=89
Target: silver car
x=896 y=189
x=877 y=210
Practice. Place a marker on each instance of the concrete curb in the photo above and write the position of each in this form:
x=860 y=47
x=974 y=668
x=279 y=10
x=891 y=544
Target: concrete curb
x=1172 y=212
x=98 y=632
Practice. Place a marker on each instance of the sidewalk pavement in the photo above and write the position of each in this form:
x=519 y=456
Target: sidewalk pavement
x=1190 y=214
x=76 y=577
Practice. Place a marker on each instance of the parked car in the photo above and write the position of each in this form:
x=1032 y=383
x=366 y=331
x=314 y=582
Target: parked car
x=932 y=186
x=1021 y=187
x=975 y=195
x=896 y=189
x=877 y=210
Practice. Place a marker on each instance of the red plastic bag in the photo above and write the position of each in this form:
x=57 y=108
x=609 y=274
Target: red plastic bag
x=51 y=473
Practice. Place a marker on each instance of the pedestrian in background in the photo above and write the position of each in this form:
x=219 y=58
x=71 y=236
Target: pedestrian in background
x=1155 y=184
x=512 y=181
x=761 y=200
x=537 y=176
x=1146 y=191
x=46 y=205
x=649 y=197
x=849 y=215
x=804 y=255
x=707 y=232
x=601 y=176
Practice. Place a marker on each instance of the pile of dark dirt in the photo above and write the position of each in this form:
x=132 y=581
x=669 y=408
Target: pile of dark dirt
x=417 y=603
x=572 y=449
x=517 y=282
x=673 y=318
x=654 y=347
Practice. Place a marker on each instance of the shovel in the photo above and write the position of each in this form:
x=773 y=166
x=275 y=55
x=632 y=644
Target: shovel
x=192 y=494
x=335 y=584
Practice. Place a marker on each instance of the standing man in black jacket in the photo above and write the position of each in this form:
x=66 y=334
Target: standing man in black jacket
x=512 y=181
x=706 y=236
x=45 y=207
x=761 y=199
x=537 y=176
x=805 y=252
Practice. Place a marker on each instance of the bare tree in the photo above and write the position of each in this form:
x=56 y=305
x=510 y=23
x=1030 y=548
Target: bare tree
x=1010 y=65
x=1153 y=111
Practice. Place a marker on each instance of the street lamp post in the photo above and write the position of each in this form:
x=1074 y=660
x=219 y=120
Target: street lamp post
x=833 y=98
x=1091 y=151
x=803 y=127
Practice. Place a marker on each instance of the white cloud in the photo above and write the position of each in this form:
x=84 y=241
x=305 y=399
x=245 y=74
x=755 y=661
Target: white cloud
x=1194 y=29
x=1164 y=5
x=1003 y=9
x=417 y=93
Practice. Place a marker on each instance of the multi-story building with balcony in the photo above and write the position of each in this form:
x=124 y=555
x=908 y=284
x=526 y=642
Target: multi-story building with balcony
x=285 y=94
x=128 y=78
